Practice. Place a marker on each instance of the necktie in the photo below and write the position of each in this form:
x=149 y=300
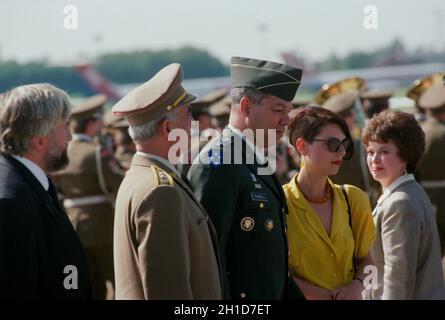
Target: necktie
x=53 y=194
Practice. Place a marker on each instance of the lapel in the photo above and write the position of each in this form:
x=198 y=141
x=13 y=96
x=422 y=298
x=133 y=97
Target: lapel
x=59 y=218
x=386 y=195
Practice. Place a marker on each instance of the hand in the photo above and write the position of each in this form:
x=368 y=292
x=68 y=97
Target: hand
x=352 y=291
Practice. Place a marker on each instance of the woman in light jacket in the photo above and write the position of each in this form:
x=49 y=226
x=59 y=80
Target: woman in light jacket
x=330 y=230
x=406 y=252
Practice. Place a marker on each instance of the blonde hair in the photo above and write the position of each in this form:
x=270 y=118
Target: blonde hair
x=28 y=111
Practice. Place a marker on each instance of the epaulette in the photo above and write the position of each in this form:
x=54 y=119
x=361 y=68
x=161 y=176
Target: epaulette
x=163 y=178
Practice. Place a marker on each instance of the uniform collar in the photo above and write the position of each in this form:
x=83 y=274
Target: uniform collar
x=258 y=152
x=159 y=159
x=82 y=137
x=35 y=170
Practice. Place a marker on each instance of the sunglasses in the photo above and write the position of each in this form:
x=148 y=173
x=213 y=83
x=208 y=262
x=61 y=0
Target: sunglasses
x=334 y=145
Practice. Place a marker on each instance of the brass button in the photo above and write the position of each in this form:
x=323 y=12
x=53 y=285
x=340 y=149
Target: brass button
x=332 y=254
x=334 y=274
x=169 y=108
x=243 y=295
x=261 y=205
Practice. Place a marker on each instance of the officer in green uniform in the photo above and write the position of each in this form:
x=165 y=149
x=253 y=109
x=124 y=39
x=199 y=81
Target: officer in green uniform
x=236 y=186
x=431 y=169
x=88 y=185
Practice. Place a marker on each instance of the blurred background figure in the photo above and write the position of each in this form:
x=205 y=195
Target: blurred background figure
x=431 y=171
x=122 y=144
x=418 y=88
x=342 y=98
x=220 y=113
x=201 y=135
x=89 y=185
x=375 y=101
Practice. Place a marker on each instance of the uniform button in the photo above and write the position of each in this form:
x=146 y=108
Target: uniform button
x=334 y=274
x=243 y=295
x=261 y=205
x=332 y=254
x=282 y=210
x=169 y=108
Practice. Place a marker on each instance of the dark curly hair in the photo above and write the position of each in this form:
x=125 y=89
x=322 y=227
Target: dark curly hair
x=403 y=130
x=307 y=123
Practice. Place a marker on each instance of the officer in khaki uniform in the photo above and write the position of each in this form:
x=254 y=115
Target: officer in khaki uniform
x=125 y=148
x=246 y=205
x=88 y=185
x=353 y=171
x=375 y=101
x=164 y=243
x=431 y=169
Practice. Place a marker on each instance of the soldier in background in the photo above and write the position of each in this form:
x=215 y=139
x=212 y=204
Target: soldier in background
x=431 y=169
x=374 y=102
x=199 y=138
x=220 y=113
x=89 y=184
x=418 y=88
x=353 y=171
x=124 y=146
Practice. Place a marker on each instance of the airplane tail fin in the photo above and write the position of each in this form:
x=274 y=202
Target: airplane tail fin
x=97 y=81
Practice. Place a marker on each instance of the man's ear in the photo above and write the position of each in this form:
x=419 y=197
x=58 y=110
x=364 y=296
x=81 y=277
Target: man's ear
x=244 y=105
x=39 y=143
x=164 y=129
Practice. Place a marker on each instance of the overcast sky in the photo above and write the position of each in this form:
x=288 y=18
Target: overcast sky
x=256 y=28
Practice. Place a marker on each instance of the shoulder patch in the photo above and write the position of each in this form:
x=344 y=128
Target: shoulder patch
x=163 y=177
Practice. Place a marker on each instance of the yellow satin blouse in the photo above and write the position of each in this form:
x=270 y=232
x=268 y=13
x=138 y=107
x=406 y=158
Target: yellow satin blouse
x=322 y=259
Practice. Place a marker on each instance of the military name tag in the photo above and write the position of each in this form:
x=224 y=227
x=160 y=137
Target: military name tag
x=259 y=196
x=247 y=223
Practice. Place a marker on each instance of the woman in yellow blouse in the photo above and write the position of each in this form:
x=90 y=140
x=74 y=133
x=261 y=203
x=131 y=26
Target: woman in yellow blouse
x=327 y=257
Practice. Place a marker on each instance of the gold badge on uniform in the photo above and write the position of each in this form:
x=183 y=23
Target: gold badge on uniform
x=269 y=224
x=247 y=223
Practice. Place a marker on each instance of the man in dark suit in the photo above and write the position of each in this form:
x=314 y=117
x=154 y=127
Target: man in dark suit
x=40 y=254
x=238 y=187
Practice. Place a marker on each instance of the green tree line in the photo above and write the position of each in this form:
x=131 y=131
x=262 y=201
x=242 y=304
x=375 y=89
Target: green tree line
x=128 y=67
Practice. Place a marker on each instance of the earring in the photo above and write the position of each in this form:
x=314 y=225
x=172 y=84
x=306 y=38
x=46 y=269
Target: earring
x=405 y=172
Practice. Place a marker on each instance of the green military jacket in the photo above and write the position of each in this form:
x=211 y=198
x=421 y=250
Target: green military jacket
x=248 y=211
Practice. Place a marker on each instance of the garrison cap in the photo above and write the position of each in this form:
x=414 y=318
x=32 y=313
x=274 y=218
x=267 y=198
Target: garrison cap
x=340 y=102
x=272 y=78
x=157 y=96
x=89 y=107
x=433 y=98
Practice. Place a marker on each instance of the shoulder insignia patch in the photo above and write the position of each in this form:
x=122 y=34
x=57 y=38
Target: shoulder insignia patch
x=163 y=177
